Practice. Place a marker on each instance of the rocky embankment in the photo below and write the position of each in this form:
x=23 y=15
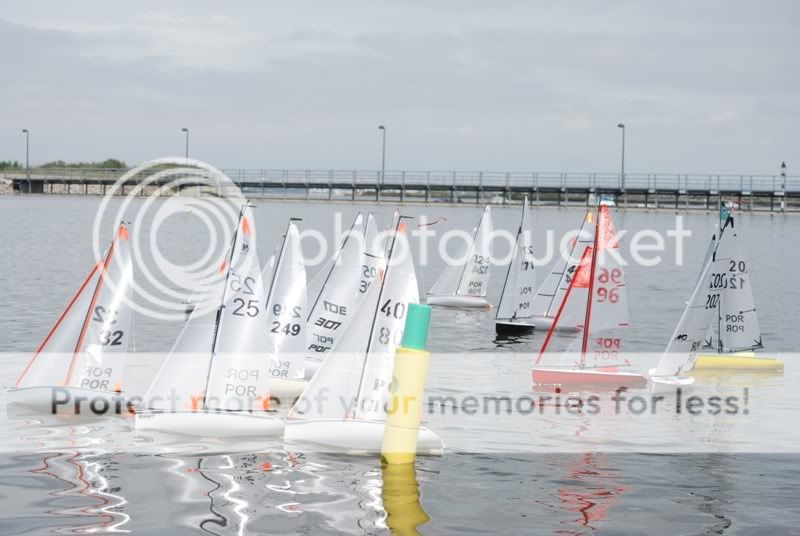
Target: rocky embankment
x=5 y=187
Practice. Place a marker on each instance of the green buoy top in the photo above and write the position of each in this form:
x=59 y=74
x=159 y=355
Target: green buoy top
x=415 y=334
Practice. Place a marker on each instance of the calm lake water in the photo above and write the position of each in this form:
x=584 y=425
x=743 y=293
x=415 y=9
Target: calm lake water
x=506 y=474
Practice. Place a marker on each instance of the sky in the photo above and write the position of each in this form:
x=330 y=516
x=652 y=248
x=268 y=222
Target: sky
x=703 y=86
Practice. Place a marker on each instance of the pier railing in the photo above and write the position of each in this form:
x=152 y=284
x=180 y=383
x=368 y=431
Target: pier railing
x=312 y=178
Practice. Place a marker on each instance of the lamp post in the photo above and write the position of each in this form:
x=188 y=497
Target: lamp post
x=186 y=130
x=622 y=168
x=783 y=186
x=383 y=153
x=27 y=157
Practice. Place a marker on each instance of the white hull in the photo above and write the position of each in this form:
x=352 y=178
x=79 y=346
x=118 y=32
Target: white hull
x=210 y=424
x=286 y=391
x=458 y=301
x=542 y=322
x=667 y=384
x=351 y=436
x=545 y=322
x=39 y=401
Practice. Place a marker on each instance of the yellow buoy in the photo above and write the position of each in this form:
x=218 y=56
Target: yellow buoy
x=408 y=389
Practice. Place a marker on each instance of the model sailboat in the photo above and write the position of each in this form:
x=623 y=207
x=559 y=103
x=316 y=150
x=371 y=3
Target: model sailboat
x=215 y=381
x=735 y=333
x=286 y=312
x=550 y=295
x=344 y=406
x=83 y=356
x=465 y=284
x=515 y=310
x=680 y=355
x=346 y=283
x=605 y=319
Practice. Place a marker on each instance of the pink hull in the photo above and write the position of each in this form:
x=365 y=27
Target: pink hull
x=573 y=378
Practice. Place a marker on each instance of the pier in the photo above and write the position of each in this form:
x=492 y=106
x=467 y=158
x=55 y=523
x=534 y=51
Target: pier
x=776 y=193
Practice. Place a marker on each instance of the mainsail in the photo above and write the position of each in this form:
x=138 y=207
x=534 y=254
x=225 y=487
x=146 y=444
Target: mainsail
x=471 y=276
x=607 y=314
x=681 y=351
x=735 y=328
x=518 y=288
x=287 y=309
x=353 y=382
x=600 y=275
x=218 y=361
x=87 y=346
x=347 y=281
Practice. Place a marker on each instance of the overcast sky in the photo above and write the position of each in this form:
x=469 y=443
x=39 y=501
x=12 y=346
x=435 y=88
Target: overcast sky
x=706 y=87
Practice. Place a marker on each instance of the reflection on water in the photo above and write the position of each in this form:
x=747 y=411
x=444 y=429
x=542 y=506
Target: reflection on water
x=91 y=479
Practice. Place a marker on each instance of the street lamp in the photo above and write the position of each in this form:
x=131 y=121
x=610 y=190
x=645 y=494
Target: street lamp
x=622 y=170
x=383 y=153
x=186 y=130
x=783 y=175
x=27 y=157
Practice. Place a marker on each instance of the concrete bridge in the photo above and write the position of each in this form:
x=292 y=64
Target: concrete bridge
x=675 y=191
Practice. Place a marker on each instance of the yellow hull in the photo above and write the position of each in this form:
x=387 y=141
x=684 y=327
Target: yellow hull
x=741 y=361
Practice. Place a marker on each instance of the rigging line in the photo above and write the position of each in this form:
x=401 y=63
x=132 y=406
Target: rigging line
x=61 y=318
x=218 y=323
x=335 y=260
x=560 y=310
x=566 y=263
x=377 y=309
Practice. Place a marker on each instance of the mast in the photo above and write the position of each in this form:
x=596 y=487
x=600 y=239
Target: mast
x=218 y=323
x=508 y=273
x=590 y=296
x=328 y=276
x=375 y=313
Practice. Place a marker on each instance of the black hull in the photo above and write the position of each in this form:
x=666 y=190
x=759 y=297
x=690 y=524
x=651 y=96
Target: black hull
x=512 y=328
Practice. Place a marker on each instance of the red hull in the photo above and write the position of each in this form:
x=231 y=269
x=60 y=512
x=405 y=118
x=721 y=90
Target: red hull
x=587 y=378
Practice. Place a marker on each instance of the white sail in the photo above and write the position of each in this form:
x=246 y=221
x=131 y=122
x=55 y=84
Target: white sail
x=287 y=310
x=373 y=258
x=101 y=354
x=448 y=282
x=86 y=346
x=681 y=351
x=335 y=304
x=475 y=275
x=353 y=382
x=180 y=383
x=218 y=360
x=551 y=293
x=608 y=309
x=238 y=376
x=736 y=327
x=398 y=290
x=518 y=289
x=51 y=362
